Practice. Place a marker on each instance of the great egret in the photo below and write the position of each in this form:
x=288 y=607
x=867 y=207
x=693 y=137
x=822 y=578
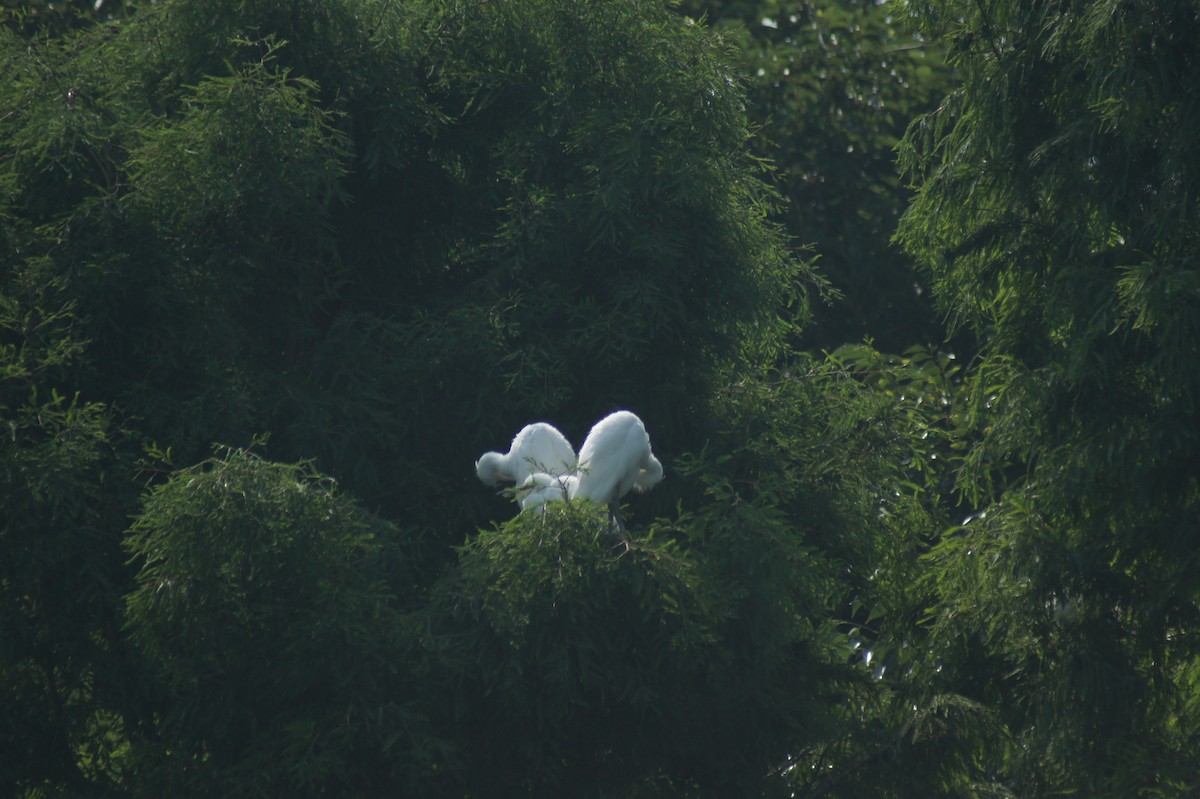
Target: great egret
x=539 y=447
x=615 y=459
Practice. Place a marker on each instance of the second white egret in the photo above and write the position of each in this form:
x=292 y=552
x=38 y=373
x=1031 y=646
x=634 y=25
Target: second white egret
x=615 y=459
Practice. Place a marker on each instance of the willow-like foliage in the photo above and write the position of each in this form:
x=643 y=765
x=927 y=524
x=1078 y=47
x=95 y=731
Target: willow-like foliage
x=274 y=274
x=1057 y=217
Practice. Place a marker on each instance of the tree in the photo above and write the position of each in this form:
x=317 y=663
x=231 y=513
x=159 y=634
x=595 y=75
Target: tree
x=1056 y=218
x=274 y=274
x=832 y=85
x=269 y=610
x=603 y=251
x=39 y=18
x=65 y=483
x=369 y=242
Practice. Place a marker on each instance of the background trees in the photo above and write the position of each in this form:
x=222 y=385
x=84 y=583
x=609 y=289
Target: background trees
x=308 y=238
x=274 y=274
x=369 y=242
x=268 y=610
x=832 y=85
x=1055 y=216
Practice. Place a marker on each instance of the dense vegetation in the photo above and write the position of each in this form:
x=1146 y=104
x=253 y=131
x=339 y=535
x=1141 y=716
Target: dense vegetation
x=273 y=274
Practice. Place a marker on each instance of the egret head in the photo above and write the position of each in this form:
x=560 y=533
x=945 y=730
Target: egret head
x=490 y=468
x=650 y=475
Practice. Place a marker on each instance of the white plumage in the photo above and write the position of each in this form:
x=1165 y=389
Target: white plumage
x=540 y=489
x=539 y=447
x=615 y=459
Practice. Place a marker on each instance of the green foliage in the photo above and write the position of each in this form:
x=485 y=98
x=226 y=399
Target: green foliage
x=268 y=607
x=303 y=220
x=852 y=459
x=63 y=482
x=41 y=18
x=690 y=658
x=370 y=240
x=832 y=86
x=579 y=661
x=235 y=196
x=376 y=240
x=1056 y=217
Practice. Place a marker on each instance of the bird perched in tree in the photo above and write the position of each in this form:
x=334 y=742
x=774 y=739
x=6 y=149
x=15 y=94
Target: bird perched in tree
x=539 y=447
x=615 y=459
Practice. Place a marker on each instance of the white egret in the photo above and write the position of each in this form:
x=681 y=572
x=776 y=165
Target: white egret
x=539 y=447
x=614 y=460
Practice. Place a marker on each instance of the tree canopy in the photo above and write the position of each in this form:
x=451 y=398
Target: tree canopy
x=1055 y=216
x=274 y=274
x=832 y=85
